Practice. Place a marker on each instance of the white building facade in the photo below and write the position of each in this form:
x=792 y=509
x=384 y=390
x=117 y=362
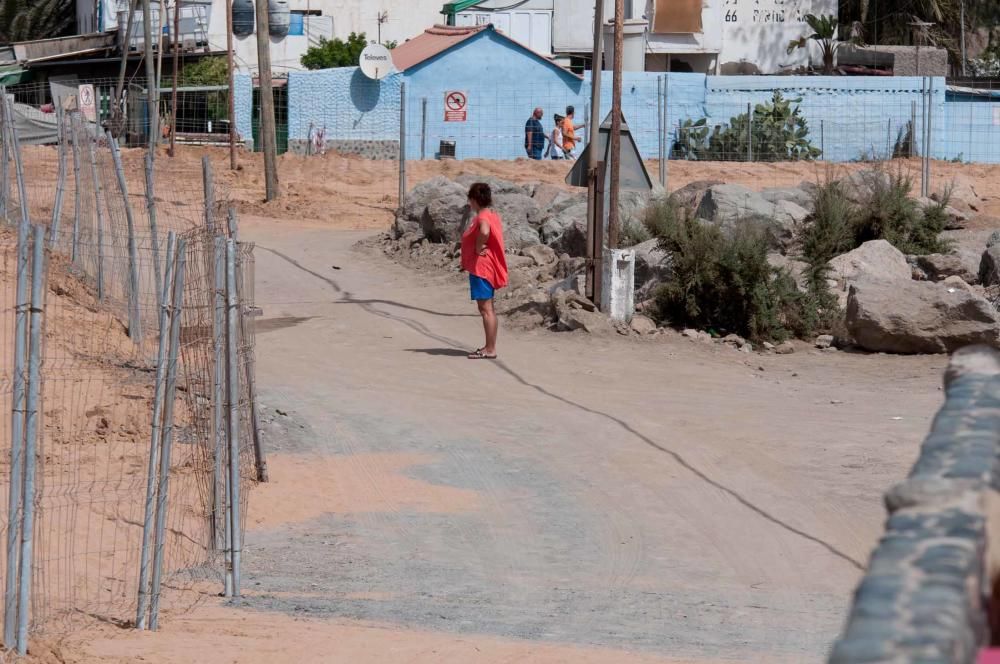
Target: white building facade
x=203 y=24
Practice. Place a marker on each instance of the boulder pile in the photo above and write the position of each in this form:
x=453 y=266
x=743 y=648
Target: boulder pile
x=892 y=302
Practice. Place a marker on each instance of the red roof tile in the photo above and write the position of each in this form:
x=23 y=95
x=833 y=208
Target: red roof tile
x=431 y=42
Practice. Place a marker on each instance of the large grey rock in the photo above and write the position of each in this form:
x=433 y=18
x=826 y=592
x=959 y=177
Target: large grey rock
x=652 y=265
x=963 y=195
x=566 y=231
x=410 y=218
x=444 y=218
x=989 y=266
x=689 y=196
x=796 y=195
x=548 y=195
x=519 y=234
x=573 y=314
x=938 y=267
x=541 y=255
x=874 y=260
x=918 y=317
x=497 y=186
x=727 y=204
x=797 y=269
x=859 y=186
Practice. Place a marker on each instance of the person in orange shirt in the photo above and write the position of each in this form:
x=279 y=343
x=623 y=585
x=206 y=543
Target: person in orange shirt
x=569 y=131
x=484 y=259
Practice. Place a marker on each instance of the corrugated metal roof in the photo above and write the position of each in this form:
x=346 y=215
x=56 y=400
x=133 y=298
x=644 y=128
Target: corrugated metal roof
x=431 y=42
x=435 y=41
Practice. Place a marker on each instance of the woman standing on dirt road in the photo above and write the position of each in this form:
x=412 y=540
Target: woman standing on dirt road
x=483 y=258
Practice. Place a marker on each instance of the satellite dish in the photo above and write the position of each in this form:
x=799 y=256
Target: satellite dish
x=376 y=62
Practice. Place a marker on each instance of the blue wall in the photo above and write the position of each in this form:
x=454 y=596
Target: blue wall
x=244 y=106
x=349 y=104
x=848 y=117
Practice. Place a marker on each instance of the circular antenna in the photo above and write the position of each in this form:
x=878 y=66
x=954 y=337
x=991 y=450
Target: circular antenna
x=376 y=62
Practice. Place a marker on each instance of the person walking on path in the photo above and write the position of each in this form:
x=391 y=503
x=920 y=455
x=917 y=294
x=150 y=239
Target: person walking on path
x=569 y=131
x=534 y=135
x=483 y=258
x=555 y=150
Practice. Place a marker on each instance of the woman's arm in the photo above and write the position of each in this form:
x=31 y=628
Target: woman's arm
x=484 y=235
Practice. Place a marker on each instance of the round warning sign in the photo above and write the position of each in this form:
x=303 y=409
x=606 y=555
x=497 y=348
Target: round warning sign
x=455 y=106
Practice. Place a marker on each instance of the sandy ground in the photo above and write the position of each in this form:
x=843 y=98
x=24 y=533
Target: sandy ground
x=582 y=500
x=354 y=193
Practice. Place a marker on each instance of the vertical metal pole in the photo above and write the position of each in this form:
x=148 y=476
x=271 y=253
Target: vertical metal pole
x=423 y=129
x=913 y=128
x=74 y=122
x=19 y=390
x=659 y=124
x=98 y=189
x=961 y=21
x=923 y=136
x=888 y=139
x=665 y=175
x=822 y=139
x=615 y=140
x=151 y=209
x=163 y=492
x=61 y=176
x=232 y=398
x=930 y=135
x=155 y=438
x=597 y=247
x=4 y=156
x=230 y=75
x=749 y=132
x=175 y=35
x=595 y=172
x=208 y=184
x=134 y=320
x=402 y=143
x=31 y=437
x=221 y=503
x=152 y=92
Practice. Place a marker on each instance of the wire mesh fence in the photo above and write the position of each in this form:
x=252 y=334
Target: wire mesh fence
x=111 y=437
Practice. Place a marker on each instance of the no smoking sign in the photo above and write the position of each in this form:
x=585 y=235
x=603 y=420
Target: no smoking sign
x=455 y=106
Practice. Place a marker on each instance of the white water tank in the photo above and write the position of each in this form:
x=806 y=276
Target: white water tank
x=634 y=45
x=279 y=17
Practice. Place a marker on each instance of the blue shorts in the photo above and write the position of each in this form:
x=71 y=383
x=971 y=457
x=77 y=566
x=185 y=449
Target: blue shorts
x=480 y=288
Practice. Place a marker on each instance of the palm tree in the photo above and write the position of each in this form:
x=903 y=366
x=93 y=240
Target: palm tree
x=825 y=33
x=26 y=20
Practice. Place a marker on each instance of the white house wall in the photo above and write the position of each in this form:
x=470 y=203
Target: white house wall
x=758 y=31
x=529 y=23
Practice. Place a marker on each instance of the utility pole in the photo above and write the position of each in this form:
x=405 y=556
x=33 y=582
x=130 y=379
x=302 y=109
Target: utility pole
x=962 y=25
x=615 y=144
x=117 y=121
x=152 y=94
x=176 y=36
x=595 y=166
x=267 y=134
x=232 y=85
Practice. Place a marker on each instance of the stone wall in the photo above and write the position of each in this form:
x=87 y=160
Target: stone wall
x=925 y=595
x=370 y=149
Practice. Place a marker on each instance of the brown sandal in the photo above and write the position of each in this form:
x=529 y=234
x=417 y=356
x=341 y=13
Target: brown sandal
x=480 y=355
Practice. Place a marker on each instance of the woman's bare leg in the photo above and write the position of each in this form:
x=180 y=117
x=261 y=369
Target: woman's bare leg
x=490 y=325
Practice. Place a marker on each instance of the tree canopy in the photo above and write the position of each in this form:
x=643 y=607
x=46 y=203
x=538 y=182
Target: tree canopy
x=335 y=52
x=27 y=20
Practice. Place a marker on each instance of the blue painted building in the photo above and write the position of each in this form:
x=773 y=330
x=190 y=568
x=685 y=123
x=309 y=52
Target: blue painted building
x=849 y=118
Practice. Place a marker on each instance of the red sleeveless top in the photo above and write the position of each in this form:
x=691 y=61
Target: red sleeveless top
x=493 y=266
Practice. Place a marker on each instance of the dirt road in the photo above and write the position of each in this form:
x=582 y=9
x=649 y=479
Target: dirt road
x=581 y=500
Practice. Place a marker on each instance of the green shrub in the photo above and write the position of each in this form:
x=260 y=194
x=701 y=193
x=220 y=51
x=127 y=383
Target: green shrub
x=329 y=53
x=888 y=213
x=780 y=133
x=633 y=233
x=723 y=281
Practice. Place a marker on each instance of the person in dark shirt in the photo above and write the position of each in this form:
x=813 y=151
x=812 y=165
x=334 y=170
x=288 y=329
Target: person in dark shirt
x=534 y=135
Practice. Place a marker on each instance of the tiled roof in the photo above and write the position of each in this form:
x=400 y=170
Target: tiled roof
x=431 y=42
x=440 y=38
